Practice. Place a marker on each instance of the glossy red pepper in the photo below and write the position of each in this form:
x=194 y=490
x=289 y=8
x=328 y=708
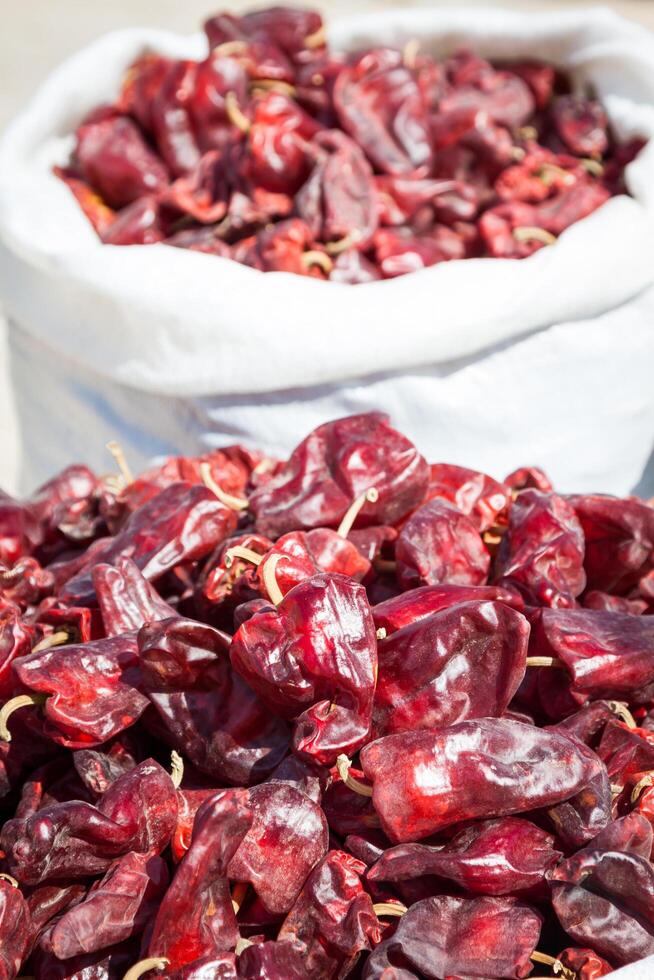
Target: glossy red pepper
x=207 y=710
x=427 y=780
x=493 y=857
x=430 y=673
x=333 y=466
x=447 y=935
x=440 y=544
x=332 y=921
x=314 y=659
x=196 y=918
x=75 y=839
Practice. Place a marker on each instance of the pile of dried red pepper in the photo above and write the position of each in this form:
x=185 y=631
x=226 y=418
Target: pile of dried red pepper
x=286 y=156
x=346 y=715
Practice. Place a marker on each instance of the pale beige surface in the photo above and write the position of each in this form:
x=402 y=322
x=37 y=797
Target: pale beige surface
x=38 y=34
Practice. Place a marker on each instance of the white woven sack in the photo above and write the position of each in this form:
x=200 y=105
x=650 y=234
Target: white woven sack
x=487 y=362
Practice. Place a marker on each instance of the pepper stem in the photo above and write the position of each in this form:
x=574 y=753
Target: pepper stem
x=315 y=257
x=5 y=877
x=239 y=892
x=642 y=784
x=247 y=554
x=381 y=633
x=120 y=459
x=54 y=640
x=242 y=944
x=228 y=499
x=546 y=662
x=316 y=40
x=275 y=594
x=529 y=233
x=371 y=496
x=556 y=964
x=176 y=769
x=410 y=53
x=343 y=764
x=343 y=244
x=21 y=701
x=235 y=114
x=620 y=709
x=273 y=85
x=144 y=966
x=229 y=48
x=390 y=908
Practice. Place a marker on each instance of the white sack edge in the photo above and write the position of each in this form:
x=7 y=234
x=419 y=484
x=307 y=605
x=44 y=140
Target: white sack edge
x=181 y=323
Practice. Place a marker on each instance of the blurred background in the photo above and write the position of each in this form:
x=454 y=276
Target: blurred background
x=39 y=34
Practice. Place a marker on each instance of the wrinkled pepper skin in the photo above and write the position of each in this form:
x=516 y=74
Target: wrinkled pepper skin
x=116 y=908
x=416 y=604
x=332 y=921
x=607 y=891
x=476 y=937
x=586 y=964
x=287 y=837
x=182 y=523
x=440 y=544
x=196 y=917
x=493 y=857
x=308 y=553
x=619 y=536
x=15 y=930
x=336 y=463
x=606 y=654
x=437 y=672
x=92 y=689
x=425 y=781
x=127 y=600
x=75 y=839
x=210 y=714
x=542 y=552
x=314 y=659
x=478 y=496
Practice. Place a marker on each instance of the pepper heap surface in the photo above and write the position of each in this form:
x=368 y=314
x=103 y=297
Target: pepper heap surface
x=344 y=715
x=284 y=155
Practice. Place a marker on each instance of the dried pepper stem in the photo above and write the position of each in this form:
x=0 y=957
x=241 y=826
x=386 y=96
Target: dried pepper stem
x=20 y=701
x=144 y=966
x=343 y=764
x=235 y=114
x=228 y=499
x=390 y=908
x=410 y=53
x=315 y=257
x=120 y=459
x=371 y=496
x=343 y=244
x=381 y=633
x=546 y=662
x=529 y=233
x=54 y=640
x=247 y=554
x=275 y=594
x=620 y=709
x=273 y=85
x=316 y=40
x=229 y=48
x=176 y=769
x=239 y=891
x=557 y=966
x=642 y=784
